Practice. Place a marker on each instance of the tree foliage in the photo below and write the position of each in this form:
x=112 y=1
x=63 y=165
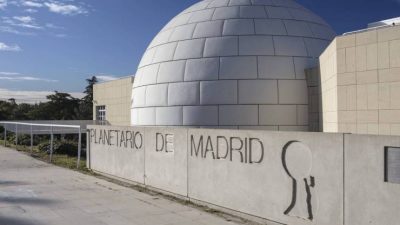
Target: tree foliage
x=60 y=106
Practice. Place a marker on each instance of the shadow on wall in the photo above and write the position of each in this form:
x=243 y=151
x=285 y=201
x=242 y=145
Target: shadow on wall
x=15 y=221
x=25 y=200
x=315 y=115
x=12 y=183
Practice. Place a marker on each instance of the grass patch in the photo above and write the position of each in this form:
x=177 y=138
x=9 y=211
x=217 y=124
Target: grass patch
x=57 y=159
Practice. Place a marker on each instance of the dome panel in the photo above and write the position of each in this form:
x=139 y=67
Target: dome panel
x=184 y=93
x=161 y=38
x=183 y=32
x=218 y=92
x=243 y=67
x=198 y=6
x=238 y=115
x=208 y=29
x=226 y=13
x=252 y=12
x=173 y=71
x=298 y=28
x=290 y=46
x=148 y=75
x=274 y=67
x=202 y=15
x=189 y=49
x=256 y=45
x=200 y=115
x=239 y=2
x=221 y=46
x=278 y=12
x=262 y=2
x=157 y=95
x=218 y=3
x=169 y=116
x=238 y=27
x=147 y=58
x=230 y=63
x=287 y=3
x=258 y=92
x=270 y=27
x=202 y=69
x=165 y=52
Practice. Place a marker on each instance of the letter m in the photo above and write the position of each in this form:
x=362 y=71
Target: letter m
x=199 y=147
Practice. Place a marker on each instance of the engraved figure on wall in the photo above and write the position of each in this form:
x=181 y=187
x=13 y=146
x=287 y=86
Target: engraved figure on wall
x=297 y=162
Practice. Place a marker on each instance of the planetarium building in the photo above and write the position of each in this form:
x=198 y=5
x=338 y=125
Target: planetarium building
x=231 y=64
x=261 y=65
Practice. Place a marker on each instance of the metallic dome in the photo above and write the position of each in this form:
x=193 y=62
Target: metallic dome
x=231 y=64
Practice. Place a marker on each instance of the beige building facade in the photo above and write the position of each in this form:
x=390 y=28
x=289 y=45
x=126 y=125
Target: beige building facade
x=360 y=83
x=112 y=101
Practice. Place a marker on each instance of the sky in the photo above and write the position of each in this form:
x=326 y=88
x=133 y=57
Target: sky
x=48 y=45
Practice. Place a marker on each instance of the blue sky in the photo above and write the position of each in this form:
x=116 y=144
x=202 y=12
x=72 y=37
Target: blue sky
x=48 y=45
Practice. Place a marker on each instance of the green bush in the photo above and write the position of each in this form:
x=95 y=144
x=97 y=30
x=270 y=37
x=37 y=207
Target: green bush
x=60 y=147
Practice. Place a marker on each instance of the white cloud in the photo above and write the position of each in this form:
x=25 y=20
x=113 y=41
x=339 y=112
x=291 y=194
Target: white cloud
x=64 y=9
x=30 y=97
x=24 y=19
x=31 y=10
x=8 y=73
x=31 y=26
x=3 y=4
x=13 y=76
x=32 y=4
x=60 y=35
x=25 y=78
x=7 y=29
x=106 y=78
x=52 y=26
x=9 y=48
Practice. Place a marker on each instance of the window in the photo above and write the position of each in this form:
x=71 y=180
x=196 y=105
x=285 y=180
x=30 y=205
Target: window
x=101 y=113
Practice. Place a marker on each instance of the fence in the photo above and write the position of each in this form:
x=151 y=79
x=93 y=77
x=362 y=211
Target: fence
x=46 y=128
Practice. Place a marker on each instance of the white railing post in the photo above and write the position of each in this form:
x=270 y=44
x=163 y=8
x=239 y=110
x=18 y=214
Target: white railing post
x=16 y=136
x=5 y=136
x=31 y=139
x=79 y=148
x=88 y=140
x=51 y=143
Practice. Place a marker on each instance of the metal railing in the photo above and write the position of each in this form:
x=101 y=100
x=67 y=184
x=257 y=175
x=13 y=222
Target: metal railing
x=75 y=129
x=369 y=29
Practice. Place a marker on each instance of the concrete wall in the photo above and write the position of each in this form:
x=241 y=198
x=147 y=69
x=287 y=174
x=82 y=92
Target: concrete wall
x=368 y=199
x=286 y=177
x=361 y=83
x=121 y=153
x=116 y=96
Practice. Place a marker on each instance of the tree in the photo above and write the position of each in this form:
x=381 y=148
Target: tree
x=22 y=111
x=89 y=89
x=8 y=110
x=86 y=105
x=62 y=106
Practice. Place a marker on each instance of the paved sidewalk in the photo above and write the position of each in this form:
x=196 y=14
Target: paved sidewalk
x=36 y=193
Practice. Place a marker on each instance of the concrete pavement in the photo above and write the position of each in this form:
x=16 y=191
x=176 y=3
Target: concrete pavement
x=36 y=193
